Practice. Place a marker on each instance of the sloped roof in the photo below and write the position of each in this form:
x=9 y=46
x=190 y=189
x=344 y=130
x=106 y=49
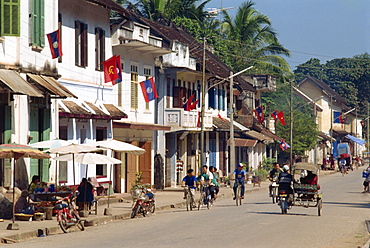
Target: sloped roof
x=114 y=111
x=224 y=125
x=111 y=5
x=214 y=65
x=325 y=87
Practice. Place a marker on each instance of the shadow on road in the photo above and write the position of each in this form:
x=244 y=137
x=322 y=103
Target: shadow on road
x=349 y=204
x=279 y=213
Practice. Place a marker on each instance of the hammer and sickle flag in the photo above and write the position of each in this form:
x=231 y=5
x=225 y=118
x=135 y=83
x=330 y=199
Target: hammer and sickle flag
x=112 y=69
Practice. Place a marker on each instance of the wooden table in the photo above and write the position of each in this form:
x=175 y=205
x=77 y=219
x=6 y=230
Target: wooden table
x=48 y=196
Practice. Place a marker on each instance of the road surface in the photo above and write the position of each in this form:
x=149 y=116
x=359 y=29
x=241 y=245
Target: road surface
x=257 y=223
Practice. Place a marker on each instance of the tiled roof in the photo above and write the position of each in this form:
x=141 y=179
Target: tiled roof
x=114 y=111
x=224 y=124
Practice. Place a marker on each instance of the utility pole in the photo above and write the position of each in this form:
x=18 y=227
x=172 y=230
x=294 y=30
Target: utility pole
x=367 y=127
x=356 y=131
x=232 y=141
x=291 y=124
x=331 y=124
x=203 y=104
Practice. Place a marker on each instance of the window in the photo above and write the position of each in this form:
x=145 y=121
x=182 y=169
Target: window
x=147 y=73
x=101 y=170
x=9 y=17
x=101 y=133
x=37 y=24
x=134 y=87
x=80 y=44
x=99 y=48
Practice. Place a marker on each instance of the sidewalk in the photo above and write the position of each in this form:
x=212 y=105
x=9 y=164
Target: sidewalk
x=120 y=206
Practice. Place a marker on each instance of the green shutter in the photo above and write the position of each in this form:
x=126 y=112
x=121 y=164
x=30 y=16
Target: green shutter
x=38 y=17
x=10 y=17
x=45 y=135
x=34 y=133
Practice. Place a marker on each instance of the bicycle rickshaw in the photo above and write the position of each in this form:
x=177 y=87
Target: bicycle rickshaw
x=306 y=195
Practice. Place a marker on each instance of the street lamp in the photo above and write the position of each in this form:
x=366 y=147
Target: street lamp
x=232 y=142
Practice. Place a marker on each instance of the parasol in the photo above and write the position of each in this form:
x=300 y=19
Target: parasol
x=74 y=149
x=48 y=144
x=345 y=155
x=17 y=151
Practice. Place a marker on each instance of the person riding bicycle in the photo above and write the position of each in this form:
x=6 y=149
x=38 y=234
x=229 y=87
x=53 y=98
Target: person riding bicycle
x=342 y=165
x=273 y=175
x=240 y=178
x=191 y=181
x=213 y=170
x=206 y=178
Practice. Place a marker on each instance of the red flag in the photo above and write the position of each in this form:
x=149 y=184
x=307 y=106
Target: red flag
x=219 y=116
x=187 y=105
x=259 y=113
x=274 y=115
x=199 y=119
x=341 y=119
x=362 y=123
x=194 y=105
x=110 y=69
x=55 y=44
x=280 y=115
x=149 y=89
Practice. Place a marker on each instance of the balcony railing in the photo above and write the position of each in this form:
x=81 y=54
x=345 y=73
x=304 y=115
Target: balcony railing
x=178 y=117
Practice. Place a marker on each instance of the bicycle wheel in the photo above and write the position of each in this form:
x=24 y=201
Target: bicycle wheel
x=63 y=223
x=240 y=198
x=188 y=202
x=274 y=195
x=152 y=207
x=134 y=212
x=191 y=202
x=237 y=196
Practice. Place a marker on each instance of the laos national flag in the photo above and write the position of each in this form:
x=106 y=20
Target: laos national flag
x=55 y=44
x=149 y=89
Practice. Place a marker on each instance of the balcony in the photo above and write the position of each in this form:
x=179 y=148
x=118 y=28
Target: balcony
x=178 y=117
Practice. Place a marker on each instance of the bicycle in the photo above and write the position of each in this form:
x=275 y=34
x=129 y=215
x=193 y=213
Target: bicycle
x=274 y=188
x=343 y=170
x=238 y=197
x=205 y=197
x=189 y=198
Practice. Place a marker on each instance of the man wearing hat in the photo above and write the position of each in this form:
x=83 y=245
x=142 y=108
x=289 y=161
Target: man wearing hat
x=240 y=178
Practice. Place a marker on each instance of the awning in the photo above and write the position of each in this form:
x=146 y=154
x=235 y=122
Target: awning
x=139 y=125
x=259 y=136
x=13 y=81
x=340 y=131
x=223 y=124
x=357 y=140
x=52 y=85
x=243 y=142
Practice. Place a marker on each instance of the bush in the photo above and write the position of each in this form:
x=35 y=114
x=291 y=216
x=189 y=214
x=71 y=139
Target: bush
x=262 y=173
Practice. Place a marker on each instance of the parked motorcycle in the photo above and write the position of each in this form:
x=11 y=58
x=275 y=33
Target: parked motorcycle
x=67 y=215
x=283 y=200
x=144 y=203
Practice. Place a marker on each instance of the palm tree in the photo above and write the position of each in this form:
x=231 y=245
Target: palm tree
x=252 y=41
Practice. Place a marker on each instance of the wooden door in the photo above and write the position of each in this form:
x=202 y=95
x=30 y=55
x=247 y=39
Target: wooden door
x=145 y=162
x=117 y=174
x=131 y=169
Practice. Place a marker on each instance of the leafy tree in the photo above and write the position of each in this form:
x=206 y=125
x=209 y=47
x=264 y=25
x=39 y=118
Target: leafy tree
x=252 y=41
x=304 y=127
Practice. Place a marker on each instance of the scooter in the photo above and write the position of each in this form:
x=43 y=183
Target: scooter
x=144 y=204
x=67 y=215
x=283 y=197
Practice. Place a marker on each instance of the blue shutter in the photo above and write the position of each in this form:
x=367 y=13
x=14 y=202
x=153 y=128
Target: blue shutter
x=336 y=116
x=211 y=98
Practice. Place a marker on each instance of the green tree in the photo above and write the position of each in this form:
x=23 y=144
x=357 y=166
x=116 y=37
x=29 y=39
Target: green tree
x=304 y=127
x=251 y=40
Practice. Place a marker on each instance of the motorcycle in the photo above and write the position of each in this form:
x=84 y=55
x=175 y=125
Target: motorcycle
x=67 y=215
x=144 y=203
x=283 y=197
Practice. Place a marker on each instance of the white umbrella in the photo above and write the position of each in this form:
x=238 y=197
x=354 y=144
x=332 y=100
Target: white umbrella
x=89 y=158
x=54 y=143
x=119 y=146
x=74 y=149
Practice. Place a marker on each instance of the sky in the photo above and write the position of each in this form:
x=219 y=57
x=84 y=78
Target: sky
x=323 y=29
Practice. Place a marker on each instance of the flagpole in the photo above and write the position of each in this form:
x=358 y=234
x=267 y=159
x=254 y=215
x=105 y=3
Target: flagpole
x=232 y=141
x=291 y=124
x=203 y=104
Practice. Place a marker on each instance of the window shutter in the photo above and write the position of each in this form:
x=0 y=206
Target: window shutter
x=97 y=49
x=10 y=15
x=134 y=95
x=211 y=98
x=41 y=36
x=34 y=23
x=102 y=49
x=77 y=47
x=176 y=96
x=60 y=32
x=84 y=45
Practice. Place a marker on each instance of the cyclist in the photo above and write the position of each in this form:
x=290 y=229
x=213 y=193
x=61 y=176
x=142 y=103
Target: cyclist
x=342 y=165
x=273 y=175
x=240 y=178
x=191 y=181
x=213 y=170
x=206 y=178
x=285 y=180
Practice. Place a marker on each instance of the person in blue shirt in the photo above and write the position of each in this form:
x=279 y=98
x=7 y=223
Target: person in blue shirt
x=240 y=176
x=191 y=181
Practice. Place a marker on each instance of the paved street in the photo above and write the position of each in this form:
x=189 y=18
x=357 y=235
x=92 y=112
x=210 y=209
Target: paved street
x=258 y=223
